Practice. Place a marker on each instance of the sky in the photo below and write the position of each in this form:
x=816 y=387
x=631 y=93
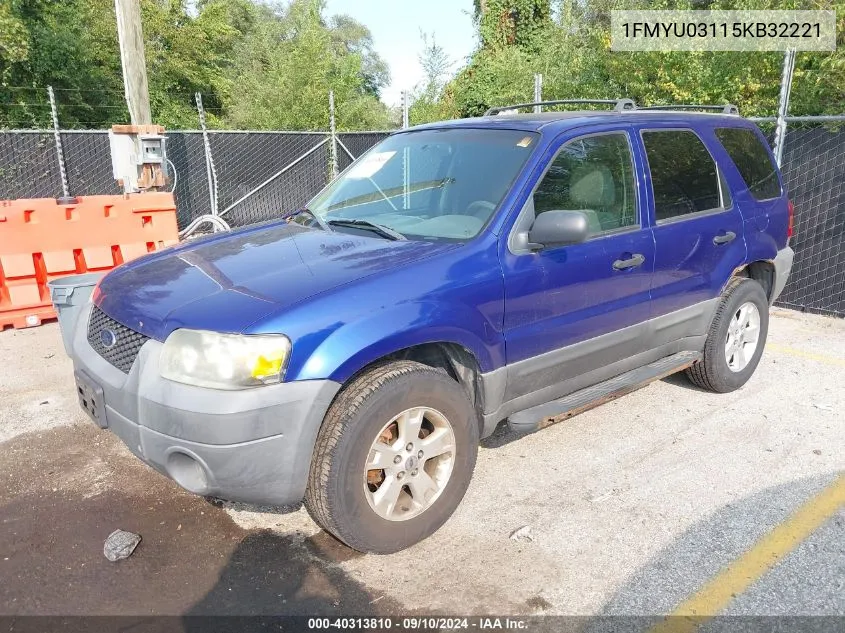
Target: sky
x=396 y=25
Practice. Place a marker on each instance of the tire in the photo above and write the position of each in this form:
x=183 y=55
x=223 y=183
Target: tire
x=713 y=372
x=340 y=497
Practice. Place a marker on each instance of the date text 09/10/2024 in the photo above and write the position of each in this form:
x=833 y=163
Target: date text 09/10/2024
x=418 y=623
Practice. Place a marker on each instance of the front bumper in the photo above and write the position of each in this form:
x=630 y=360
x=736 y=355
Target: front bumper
x=783 y=266
x=251 y=445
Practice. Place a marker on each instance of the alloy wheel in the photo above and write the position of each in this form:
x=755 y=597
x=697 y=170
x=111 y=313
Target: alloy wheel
x=409 y=464
x=743 y=336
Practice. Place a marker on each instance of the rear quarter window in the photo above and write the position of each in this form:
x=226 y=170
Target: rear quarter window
x=752 y=160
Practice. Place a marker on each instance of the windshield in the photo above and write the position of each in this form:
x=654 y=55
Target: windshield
x=427 y=185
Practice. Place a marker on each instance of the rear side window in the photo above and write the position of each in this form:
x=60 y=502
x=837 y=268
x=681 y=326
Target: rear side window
x=752 y=160
x=684 y=177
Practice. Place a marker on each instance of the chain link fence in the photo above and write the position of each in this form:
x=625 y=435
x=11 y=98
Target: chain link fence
x=28 y=165
x=261 y=175
x=813 y=169
x=241 y=177
x=352 y=144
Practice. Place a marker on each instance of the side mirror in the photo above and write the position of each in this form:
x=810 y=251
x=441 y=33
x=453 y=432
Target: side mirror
x=559 y=228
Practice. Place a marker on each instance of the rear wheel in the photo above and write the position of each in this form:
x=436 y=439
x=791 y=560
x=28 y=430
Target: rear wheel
x=393 y=458
x=736 y=339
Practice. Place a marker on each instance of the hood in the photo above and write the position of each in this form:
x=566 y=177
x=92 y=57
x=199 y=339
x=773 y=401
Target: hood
x=228 y=281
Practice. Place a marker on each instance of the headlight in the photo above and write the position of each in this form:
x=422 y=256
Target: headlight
x=224 y=361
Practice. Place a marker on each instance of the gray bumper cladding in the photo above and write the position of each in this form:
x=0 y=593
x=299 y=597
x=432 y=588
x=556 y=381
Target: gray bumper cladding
x=251 y=445
x=783 y=266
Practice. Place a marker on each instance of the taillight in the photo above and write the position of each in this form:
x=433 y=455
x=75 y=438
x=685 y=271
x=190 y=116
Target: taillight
x=790 y=227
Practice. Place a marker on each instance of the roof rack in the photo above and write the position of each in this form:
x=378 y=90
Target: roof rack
x=727 y=108
x=619 y=105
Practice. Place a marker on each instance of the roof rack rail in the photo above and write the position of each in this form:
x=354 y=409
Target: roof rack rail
x=619 y=105
x=727 y=108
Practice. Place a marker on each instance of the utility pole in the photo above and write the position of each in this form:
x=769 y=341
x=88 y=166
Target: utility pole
x=139 y=161
x=130 y=35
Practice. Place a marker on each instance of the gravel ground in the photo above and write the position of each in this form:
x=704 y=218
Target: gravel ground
x=632 y=506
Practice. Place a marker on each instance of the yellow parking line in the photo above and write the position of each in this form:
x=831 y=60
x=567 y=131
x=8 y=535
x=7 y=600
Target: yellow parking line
x=750 y=567
x=822 y=358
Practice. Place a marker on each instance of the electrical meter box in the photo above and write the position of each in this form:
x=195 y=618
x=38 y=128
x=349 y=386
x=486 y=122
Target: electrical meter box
x=152 y=148
x=138 y=157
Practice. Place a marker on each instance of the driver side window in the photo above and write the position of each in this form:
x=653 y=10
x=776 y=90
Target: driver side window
x=594 y=175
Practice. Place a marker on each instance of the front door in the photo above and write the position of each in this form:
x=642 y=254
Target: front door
x=573 y=308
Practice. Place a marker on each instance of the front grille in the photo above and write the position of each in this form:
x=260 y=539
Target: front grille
x=127 y=343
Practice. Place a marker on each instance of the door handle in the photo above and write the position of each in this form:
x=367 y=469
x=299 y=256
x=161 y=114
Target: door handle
x=624 y=264
x=728 y=236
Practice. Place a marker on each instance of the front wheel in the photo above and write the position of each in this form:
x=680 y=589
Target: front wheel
x=736 y=339
x=393 y=458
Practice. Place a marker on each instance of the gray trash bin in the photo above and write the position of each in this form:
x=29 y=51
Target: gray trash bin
x=69 y=295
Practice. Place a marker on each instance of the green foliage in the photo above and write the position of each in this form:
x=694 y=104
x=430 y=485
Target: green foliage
x=494 y=77
x=285 y=68
x=257 y=65
x=820 y=77
x=270 y=63
x=14 y=44
x=58 y=43
x=435 y=65
x=353 y=38
x=427 y=101
x=188 y=54
x=511 y=22
x=572 y=51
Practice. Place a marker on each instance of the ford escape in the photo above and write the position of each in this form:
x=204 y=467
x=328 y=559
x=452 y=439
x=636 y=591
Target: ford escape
x=517 y=267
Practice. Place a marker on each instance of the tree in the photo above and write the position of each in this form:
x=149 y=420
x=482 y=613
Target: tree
x=511 y=22
x=435 y=65
x=14 y=39
x=57 y=43
x=572 y=51
x=72 y=45
x=353 y=38
x=189 y=53
x=285 y=68
x=256 y=65
x=427 y=102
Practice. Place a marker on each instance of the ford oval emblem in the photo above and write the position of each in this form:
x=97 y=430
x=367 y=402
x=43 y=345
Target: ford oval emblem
x=108 y=338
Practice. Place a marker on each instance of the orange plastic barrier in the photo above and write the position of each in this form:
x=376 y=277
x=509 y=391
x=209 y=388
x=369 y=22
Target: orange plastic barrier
x=41 y=240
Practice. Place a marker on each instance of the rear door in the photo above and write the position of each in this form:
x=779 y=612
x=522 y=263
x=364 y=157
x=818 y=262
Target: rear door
x=697 y=228
x=570 y=309
x=757 y=188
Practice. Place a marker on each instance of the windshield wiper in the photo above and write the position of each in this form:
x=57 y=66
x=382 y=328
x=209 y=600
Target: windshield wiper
x=306 y=211
x=384 y=231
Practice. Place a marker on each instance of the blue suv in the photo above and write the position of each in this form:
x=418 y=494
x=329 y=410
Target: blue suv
x=518 y=267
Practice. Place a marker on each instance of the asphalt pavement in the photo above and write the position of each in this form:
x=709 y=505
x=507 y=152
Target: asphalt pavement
x=644 y=506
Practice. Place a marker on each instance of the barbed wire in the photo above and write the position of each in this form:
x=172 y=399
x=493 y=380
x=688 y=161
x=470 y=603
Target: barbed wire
x=65 y=105
x=113 y=91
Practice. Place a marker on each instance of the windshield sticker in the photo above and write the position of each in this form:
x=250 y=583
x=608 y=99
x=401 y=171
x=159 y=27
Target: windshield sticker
x=369 y=165
x=525 y=142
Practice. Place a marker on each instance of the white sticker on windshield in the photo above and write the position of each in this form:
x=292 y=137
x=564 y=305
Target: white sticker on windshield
x=369 y=165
